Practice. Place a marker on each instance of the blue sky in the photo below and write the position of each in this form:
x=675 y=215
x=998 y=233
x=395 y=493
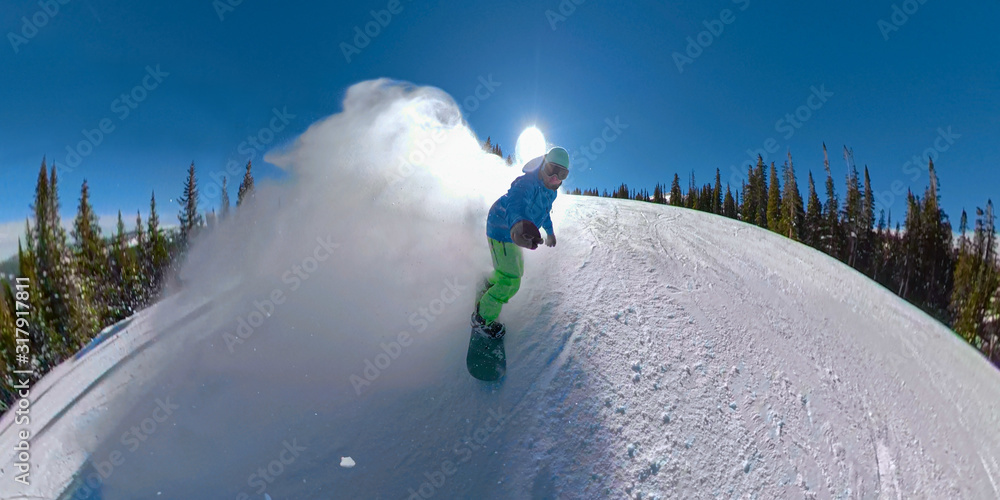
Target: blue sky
x=204 y=76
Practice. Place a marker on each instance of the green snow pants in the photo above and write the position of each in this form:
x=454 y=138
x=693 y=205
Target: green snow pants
x=508 y=267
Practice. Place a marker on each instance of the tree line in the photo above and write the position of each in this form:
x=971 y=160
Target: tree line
x=83 y=281
x=955 y=280
x=490 y=147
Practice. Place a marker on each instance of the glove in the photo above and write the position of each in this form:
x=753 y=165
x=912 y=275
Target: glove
x=525 y=234
x=550 y=240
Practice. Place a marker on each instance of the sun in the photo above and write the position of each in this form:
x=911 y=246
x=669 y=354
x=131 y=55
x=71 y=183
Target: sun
x=530 y=144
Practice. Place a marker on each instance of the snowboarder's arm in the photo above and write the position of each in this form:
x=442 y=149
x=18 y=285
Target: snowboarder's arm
x=547 y=224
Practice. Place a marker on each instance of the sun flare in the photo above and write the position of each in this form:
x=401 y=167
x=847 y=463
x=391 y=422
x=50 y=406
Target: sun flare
x=530 y=144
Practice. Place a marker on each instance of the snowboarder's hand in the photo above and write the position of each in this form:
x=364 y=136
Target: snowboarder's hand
x=550 y=240
x=525 y=234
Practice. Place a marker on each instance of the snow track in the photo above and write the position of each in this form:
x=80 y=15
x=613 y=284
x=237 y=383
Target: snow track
x=656 y=352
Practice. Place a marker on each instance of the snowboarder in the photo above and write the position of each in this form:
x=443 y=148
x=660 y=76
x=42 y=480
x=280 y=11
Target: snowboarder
x=513 y=223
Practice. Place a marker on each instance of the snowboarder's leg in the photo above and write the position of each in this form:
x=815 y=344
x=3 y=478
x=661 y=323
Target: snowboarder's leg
x=508 y=267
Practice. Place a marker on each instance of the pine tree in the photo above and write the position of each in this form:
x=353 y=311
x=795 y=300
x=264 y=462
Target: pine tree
x=773 y=215
x=910 y=265
x=717 y=194
x=246 y=187
x=154 y=253
x=657 y=194
x=892 y=255
x=831 y=237
x=748 y=211
x=190 y=219
x=852 y=212
x=145 y=270
x=120 y=273
x=676 y=197
x=990 y=284
x=47 y=259
x=876 y=254
x=691 y=199
x=868 y=239
x=65 y=314
x=35 y=263
x=976 y=280
x=224 y=211
x=92 y=262
x=706 y=200
x=812 y=231
x=966 y=323
x=39 y=244
x=729 y=205
x=763 y=190
x=792 y=215
x=936 y=251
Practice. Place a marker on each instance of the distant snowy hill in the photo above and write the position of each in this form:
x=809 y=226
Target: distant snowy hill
x=656 y=352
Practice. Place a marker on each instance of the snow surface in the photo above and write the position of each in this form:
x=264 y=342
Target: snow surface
x=655 y=351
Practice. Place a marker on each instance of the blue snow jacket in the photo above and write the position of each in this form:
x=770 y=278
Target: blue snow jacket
x=527 y=199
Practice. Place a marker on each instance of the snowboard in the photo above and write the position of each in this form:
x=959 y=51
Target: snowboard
x=486 y=359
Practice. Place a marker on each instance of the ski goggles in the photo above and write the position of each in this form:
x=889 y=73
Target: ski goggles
x=550 y=169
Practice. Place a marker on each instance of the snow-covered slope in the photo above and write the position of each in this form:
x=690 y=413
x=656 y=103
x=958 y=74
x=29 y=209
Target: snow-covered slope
x=655 y=352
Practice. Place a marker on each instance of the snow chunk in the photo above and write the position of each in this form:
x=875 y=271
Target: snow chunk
x=346 y=462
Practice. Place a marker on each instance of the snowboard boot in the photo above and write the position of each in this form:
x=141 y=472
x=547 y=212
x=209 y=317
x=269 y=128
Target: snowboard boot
x=494 y=330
